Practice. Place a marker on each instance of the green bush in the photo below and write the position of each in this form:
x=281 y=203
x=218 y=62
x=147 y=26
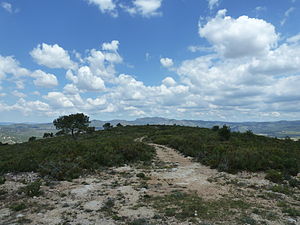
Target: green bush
x=241 y=151
x=275 y=176
x=32 y=189
x=62 y=158
x=2 y=180
x=18 y=206
x=224 y=133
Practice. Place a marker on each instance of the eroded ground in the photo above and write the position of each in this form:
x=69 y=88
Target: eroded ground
x=172 y=190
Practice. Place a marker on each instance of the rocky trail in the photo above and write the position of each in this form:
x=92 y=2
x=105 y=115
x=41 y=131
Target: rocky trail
x=130 y=194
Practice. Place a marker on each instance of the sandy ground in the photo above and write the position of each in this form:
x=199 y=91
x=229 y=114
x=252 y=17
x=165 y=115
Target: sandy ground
x=114 y=196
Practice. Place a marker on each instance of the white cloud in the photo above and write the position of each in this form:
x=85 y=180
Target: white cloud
x=20 y=84
x=169 y=82
x=146 y=8
x=196 y=48
x=86 y=80
x=29 y=107
x=52 y=56
x=212 y=3
x=58 y=99
x=294 y=39
x=113 y=46
x=8 y=65
x=287 y=13
x=239 y=37
x=18 y=94
x=43 y=79
x=166 y=62
x=105 y=6
x=7 y=6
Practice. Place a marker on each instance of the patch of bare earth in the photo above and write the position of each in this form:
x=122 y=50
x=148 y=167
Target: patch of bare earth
x=121 y=195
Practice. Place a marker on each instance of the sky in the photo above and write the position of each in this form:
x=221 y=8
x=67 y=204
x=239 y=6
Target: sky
x=228 y=60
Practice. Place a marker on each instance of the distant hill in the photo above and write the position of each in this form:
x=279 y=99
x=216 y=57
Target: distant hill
x=13 y=133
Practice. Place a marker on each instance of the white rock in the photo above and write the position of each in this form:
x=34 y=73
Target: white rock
x=292 y=221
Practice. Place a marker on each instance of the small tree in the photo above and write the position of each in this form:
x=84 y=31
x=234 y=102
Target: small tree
x=224 y=133
x=48 y=135
x=74 y=124
x=215 y=128
x=31 y=139
x=107 y=126
x=119 y=125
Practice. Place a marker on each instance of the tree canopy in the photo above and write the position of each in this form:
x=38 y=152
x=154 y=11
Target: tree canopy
x=74 y=124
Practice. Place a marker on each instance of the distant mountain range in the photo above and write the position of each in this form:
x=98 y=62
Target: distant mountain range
x=13 y=133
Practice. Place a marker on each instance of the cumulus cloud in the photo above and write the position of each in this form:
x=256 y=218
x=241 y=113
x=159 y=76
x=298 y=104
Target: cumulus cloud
x=105 y=6
x=43 y=79
x=169 y=82
x=10 y=66
x=52 y=56
x=210 y=86
x=166 y=62
x=146 y=8
x=86 y=80
x=113 y=46
x=212 y=3
x=239 y=37
x=58 y=99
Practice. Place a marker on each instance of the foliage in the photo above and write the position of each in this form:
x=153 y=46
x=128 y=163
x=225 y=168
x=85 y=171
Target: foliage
x=2 y=180
x=215 y=128
x=47 y=135
x=275 y=176
x=18 y=206
x=31 y=139
x=62 y=158
x=243 y=151
x=184 y=206
x=90 y=130
x=107 y=126
x=32 y=189
x=74 y=123
x=224 y=133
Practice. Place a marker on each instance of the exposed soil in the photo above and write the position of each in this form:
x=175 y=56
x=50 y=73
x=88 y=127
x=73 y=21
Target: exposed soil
x=115 y=196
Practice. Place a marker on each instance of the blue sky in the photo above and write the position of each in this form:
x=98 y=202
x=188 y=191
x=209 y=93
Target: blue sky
x=187 y=59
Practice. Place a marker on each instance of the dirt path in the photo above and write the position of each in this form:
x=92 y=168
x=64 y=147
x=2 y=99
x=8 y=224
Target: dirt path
x=180 y=172
x=116 y=196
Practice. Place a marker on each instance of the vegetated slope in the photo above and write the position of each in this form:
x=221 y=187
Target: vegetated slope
x=16 y=133
x=166 y=189
x=243 y=151
x=65 y=158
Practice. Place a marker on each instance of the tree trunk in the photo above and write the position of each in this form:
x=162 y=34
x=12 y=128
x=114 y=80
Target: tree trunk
x=72 y=131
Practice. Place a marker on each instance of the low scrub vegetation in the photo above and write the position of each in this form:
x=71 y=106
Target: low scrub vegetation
x=235 y=151
x=62 y=158
x=65 y=158
x=185 y=206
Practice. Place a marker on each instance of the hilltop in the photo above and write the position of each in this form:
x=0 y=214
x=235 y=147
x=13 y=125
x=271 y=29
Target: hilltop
x=16 y=133
x=153 y=174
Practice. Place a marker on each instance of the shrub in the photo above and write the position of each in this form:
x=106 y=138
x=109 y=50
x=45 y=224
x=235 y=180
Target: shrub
x=224 y=133
x=32 y=189
x=275 y=176
x=215 y=128
x=18 y=206
x=2 y=180
x=31 y=139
